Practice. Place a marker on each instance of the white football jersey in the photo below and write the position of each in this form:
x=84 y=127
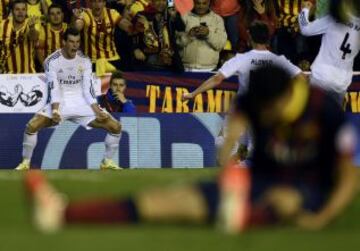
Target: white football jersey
x=333 y=66
x=243 y=64
x=70 y=80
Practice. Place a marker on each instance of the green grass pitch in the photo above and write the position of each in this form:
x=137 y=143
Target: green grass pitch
x=17 y=233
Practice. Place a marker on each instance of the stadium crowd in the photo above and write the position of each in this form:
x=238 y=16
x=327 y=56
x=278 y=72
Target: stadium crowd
x=152 y=34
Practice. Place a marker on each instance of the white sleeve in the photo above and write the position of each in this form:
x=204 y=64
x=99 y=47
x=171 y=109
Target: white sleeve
x=290 y=67
x=231 y=67
x=88 y=87
x=317 y=27
x=52 y=81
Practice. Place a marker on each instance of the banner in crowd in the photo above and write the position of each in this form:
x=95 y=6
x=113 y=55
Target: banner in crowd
x=26 y=93
x=161 y=92
x=148 y=141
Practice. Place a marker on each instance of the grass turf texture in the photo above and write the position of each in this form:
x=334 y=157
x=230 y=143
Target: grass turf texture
x=16 y=232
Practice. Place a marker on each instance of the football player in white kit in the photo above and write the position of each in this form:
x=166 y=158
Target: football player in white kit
x=332 y=69
x=72 y=97
x=241 y=65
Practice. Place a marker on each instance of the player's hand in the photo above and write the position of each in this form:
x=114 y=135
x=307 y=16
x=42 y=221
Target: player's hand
x=56 y=117
x=187 y=96
x=139 y=55
x=102 y=116
x=307 y=4
x=311 y=221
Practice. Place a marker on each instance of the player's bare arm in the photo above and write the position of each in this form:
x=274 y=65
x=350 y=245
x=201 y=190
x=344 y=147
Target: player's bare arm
x=344 y=192
x=101 y=115
x=56 y=117
x=207 y=85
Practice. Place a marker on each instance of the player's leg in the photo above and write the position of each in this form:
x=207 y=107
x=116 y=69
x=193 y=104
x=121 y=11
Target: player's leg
x=30 y=138
x=177 y=204
x=112 y=139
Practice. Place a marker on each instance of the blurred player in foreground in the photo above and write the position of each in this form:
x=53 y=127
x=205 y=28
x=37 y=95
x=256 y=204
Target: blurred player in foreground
x=302 y=171
x=72 y=97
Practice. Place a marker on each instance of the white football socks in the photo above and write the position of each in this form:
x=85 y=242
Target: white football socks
x=29 y=143
x=111 y=145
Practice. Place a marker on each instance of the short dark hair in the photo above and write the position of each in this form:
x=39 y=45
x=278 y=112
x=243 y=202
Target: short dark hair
x=116 y=75
x=70 y=31
x=259 y=32
x=15 y=2
x=266 y=84
x=55 y=6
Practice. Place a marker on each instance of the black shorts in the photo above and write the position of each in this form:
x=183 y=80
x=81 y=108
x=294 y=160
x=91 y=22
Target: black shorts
x=314 y=199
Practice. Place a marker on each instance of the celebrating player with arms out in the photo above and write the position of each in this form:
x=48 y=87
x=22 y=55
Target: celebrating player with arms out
x=68 y=73
x=332 y=69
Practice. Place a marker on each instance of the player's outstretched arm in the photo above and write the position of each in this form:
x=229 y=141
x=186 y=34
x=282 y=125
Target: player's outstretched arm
x=317 y=27
x=342 y=195
x=207 y=85
x=345 y=188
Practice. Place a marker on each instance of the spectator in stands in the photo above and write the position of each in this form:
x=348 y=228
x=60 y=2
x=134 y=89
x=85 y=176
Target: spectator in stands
x=98 y=25
x=4 y=9
x=255 y=10
x=38 y=8
x=203 y=39
x=122 y=38
x=229 y=11
x=50 y=36
x=155 y=48
x=18 y=36
x=114 y=100
x=288 y=39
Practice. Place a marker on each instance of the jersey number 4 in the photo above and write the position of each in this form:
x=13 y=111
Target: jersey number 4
x=345 y=46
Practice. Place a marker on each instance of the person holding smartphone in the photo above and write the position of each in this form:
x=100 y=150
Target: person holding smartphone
x=203 y=39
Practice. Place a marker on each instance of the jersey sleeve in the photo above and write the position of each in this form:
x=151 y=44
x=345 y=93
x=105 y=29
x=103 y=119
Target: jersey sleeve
x=288 y=66
x=115 y=16
x=317 y=27
x=86 y=18
x=88 y=85
x=232 y=66
x=52 y=81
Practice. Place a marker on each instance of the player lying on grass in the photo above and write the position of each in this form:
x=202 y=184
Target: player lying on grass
x=72 y=97
x=302 y=172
